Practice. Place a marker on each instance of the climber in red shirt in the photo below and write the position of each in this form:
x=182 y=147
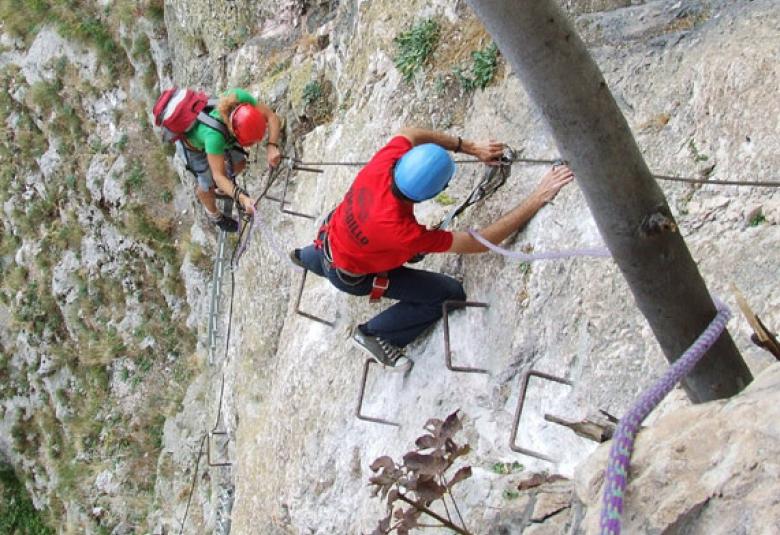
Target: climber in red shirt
x=364 y=243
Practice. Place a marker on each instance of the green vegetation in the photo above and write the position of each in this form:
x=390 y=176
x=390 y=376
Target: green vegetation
x=45 y=94
x=482 y=70
x=415 y=47
x=506 y=468
x=38 y=311
x=17 y=513
x=524 y=267
x=444 y=199
x=121 y=142
x=141 y=47
x=135 y=178
x=79 y=21
x=695 y=153
x=312 y=92
x=757 y=220
x=52 y=218
x=511 y=494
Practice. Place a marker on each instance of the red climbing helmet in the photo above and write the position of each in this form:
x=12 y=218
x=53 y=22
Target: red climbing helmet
x=248 y=124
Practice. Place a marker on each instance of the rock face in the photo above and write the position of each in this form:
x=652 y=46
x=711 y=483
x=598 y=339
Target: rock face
x=709 y=468
x=301 y=456
x=697 y=82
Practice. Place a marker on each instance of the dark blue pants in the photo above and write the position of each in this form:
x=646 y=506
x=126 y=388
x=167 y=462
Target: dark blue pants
x=419 y=293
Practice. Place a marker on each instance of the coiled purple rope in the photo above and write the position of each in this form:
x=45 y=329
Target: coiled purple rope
x=616 y=476
x=550 y=255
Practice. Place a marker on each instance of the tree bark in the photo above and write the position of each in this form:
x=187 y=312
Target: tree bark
x=631 y=212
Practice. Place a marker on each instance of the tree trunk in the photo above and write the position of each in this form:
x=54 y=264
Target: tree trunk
x=630 y=209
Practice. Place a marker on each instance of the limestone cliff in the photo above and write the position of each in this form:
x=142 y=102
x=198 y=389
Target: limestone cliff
x=697 y=82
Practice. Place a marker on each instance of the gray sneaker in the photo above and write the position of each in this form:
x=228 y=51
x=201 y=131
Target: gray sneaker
x=389 y=356
x=295 y=258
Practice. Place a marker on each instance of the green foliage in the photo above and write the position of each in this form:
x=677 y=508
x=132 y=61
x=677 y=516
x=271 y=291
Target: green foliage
x=21 y=18
x=482 y=70
x=45 y=95
x=695 y=153
x=156 y=232
x=415 y=47
x=199 y=257
x=444 y=199
x=135 y=178
x=121 y=142
x=156 y=431
x=17 y=513
x=150 y=78
x=506 y=468
x=9 y=244
x=16 y=278
x=38 y=310
x=29 y=142
x=511 y=494
x=757 y=220
x=156 y=10
x=141 y=47
x=524 y=267
x=312 y=92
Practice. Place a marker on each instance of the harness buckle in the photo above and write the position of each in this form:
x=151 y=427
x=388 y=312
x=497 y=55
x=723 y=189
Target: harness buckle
x=378 y=287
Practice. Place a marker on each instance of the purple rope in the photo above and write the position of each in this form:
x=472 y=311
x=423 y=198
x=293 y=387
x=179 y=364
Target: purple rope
x=245 y=244
x=616 y=475
x=551 y=255
x=254 y=225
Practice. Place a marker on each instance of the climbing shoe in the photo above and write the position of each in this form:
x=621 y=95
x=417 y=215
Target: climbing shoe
x=295 y=257
x=381 y=351
x=228 y=224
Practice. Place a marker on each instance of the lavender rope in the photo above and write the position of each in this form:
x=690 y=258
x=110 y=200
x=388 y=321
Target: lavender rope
x=254 y=225
x=245 y=244
x=616 y=476
x=550 y=255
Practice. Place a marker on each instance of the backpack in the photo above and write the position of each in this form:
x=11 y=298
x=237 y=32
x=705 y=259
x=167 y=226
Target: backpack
x=177 y=111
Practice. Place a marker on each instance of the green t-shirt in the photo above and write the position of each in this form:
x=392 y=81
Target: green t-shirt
x=204 y=137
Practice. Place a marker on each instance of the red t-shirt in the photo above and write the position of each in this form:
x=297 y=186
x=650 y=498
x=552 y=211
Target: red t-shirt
x=371 y=229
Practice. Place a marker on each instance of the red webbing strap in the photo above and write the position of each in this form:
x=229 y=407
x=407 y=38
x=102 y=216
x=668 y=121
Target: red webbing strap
x=378 y=287
x=323 y=232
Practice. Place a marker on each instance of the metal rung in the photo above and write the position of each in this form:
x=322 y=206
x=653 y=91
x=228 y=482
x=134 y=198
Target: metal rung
x=359 y=409
x=283 y=200
x=518 y=412
x=298 y=304
x=208 y=448
x=446 y=307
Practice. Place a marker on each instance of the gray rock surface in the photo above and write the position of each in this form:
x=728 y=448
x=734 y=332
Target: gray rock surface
x=709 y=468
x=302 y=457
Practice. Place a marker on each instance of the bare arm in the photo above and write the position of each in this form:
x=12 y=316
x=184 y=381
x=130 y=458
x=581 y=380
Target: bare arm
x=495 y=233
x=218 y=171
x=273 y=154
x=486 y=151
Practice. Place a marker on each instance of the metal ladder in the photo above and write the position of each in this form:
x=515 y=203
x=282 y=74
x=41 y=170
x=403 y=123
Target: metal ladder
x=220 y=264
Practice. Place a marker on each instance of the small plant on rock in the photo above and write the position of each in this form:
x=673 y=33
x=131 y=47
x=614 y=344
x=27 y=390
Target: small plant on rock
x=482 y=71
x=412 y=487
x=312 y=92
x=415 y=46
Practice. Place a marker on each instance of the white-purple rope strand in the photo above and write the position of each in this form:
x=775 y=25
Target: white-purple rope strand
x=550 y=255
x=254 y=225
x=616 y=476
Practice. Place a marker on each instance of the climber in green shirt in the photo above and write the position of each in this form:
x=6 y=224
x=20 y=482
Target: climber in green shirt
x=215 y=160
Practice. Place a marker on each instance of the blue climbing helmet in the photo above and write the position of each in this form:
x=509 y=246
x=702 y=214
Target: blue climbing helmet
x=423 y=172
